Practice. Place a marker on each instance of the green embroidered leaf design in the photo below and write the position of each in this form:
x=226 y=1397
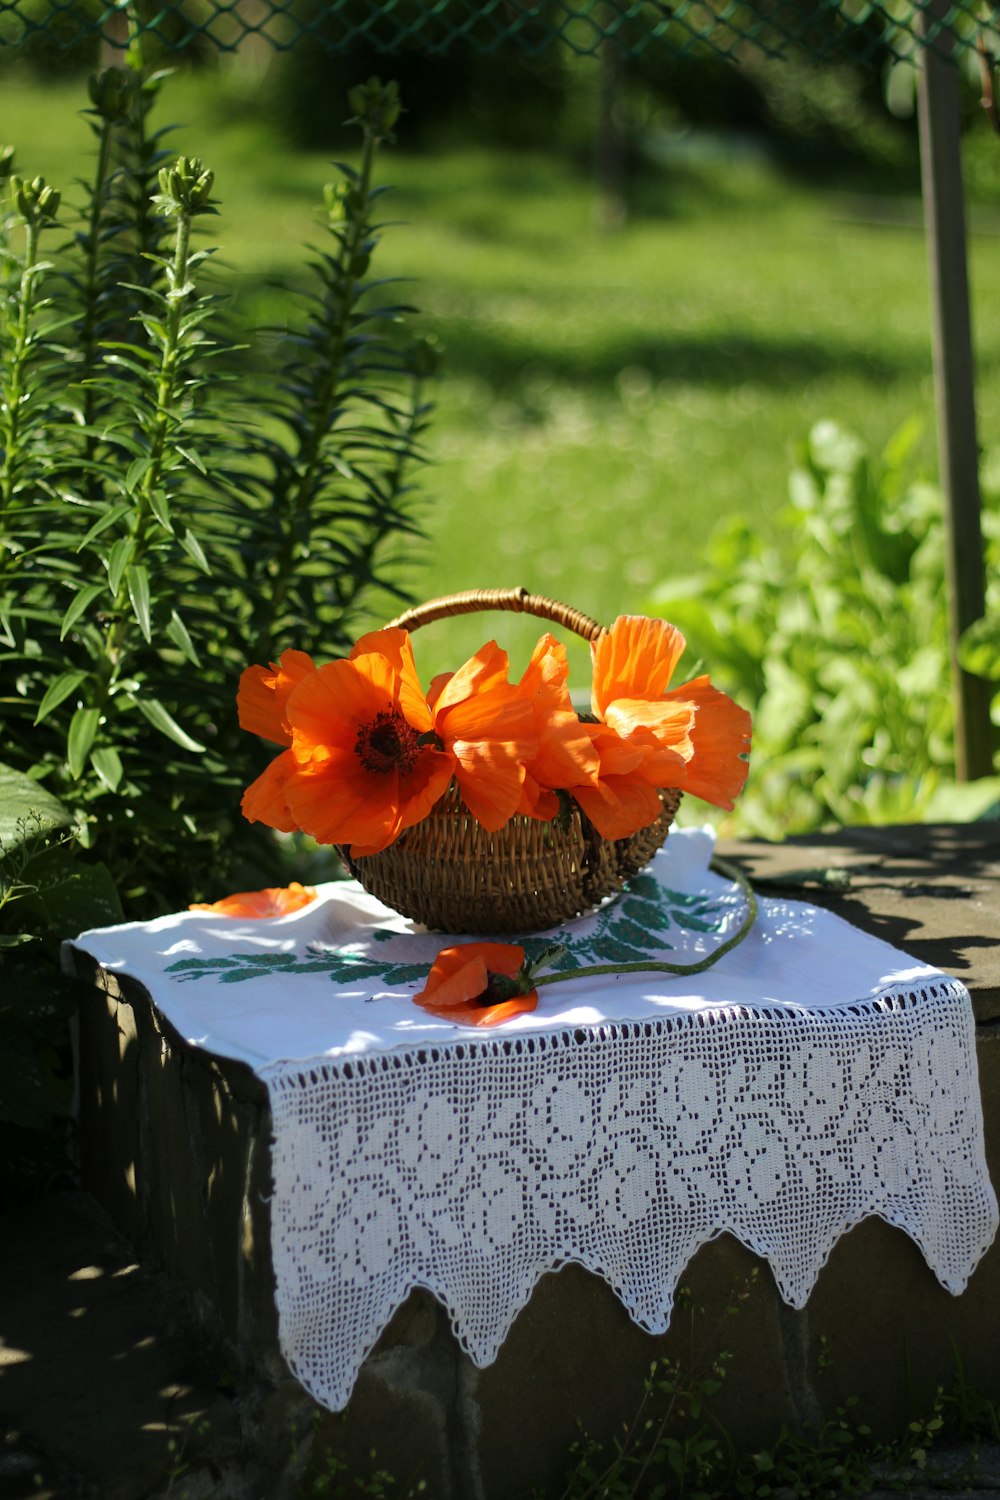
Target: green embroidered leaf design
x=237 y=967
x=648 y=914
x=692 y=923
x=627 y=931
x=611 y=950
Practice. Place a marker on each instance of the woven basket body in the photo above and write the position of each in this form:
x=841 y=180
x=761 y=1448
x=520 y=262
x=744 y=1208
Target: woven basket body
x=449 y=873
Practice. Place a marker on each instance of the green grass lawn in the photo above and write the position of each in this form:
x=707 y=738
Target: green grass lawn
x=606 y=397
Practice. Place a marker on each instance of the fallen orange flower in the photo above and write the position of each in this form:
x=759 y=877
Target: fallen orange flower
x=275 y=901
x=481 y=984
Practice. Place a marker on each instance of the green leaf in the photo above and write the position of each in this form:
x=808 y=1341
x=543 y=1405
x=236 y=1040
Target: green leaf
x=22 y=799
x=193 y=548
x=160 y=506
x=57 y=691
x=137 y=578
x=136 y=469
x=164 y=721
x=82 y=730
x=979 y=649
x=108 y=764
x=109 y=518
x=69 y=895
x=81 y=602
x=192 y=459
x=117 y=562
x=178 y=633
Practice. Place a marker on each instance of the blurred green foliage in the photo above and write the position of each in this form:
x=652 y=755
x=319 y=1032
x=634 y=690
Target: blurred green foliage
x=838 y=643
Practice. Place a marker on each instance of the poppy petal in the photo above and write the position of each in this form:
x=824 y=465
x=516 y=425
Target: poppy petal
x=263 y=695
x=454 y=983
x=471 y=1014
x=537 y=801
x=718 y=770
x=395 y=645
x=274 y=901
x=566 y=756
x=330 y=706
x=266 y=799
x=670 y=722
x=337 y=801
x=498 y=714
x=619 y=806
x=490 y=775
x=486 y=670
x=635 y=658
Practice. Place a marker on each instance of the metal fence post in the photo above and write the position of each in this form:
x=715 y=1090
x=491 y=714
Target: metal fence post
x=958 y=448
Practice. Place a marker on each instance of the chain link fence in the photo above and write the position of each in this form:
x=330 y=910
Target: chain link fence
x=821 y=29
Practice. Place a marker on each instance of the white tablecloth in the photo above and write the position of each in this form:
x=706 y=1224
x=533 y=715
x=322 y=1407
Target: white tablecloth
x=813 y=1077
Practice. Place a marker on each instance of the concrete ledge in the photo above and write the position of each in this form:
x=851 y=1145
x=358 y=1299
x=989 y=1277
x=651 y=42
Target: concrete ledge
x=175 y=1145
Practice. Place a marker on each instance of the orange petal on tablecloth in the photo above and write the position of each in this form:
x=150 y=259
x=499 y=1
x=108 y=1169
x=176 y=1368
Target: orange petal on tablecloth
x=274 y=901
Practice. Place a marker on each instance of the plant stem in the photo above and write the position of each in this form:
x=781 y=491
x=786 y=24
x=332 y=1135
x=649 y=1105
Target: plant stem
x=658 y=966
x=178 y=291
x=88 y=330
x=13 y=396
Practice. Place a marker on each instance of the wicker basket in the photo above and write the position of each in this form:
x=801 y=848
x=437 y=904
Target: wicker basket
x=449 y=873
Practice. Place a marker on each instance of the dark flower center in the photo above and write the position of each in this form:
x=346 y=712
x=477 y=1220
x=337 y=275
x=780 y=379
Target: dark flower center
x=387 y=743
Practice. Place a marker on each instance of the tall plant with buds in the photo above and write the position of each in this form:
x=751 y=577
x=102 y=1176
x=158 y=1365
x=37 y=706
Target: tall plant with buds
x=156 y=532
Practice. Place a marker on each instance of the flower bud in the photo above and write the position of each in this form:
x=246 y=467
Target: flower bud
x=6 y=162
x=35 y=201
x=109 y=93
x=376 y=106
x=427 y=356
x=186 y=187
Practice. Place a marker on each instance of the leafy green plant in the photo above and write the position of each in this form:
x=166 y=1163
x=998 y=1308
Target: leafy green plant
x=838 y=643
x=674 y=1444
x=166 y=515
x=676 y=1448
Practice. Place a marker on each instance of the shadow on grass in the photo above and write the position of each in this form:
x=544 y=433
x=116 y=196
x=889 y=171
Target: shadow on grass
x=501 y=356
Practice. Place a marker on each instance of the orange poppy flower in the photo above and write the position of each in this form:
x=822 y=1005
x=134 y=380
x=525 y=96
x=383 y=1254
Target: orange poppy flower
x=275 y=901
x=488 y=727
x=566 y=755
x=478 y=983
x=692 y=737
x=366 y=765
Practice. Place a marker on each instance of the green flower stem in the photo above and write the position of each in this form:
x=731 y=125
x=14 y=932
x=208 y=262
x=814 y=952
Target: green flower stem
x=88 y=329
x=722 y=867
x=166 y=383
x=12 y=402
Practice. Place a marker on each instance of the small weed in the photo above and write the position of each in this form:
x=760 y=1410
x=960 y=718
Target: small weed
x=675 y=1446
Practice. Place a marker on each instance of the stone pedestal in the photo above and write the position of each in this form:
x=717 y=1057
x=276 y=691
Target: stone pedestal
x=175 y=1144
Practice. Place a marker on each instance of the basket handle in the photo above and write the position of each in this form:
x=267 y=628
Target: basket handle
x=516 y=601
